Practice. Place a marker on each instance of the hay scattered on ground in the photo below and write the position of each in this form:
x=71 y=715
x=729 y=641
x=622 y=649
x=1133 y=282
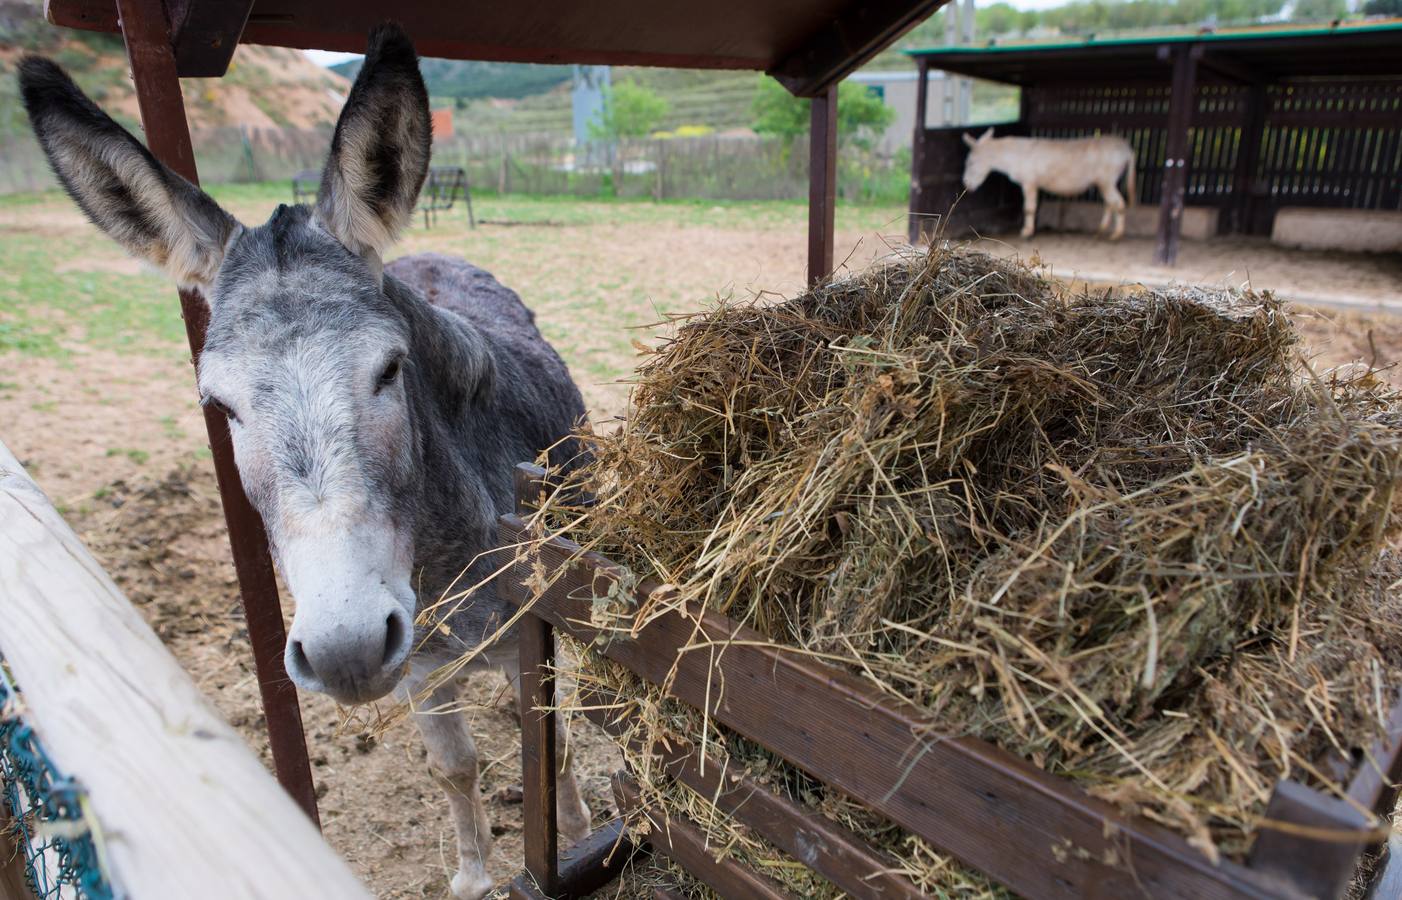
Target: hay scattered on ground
x=1126 y=537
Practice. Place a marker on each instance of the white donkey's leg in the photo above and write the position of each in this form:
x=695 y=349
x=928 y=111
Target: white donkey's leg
x=572 y=813
x=1114 y=206
x=1029 y=209
x=452 y=757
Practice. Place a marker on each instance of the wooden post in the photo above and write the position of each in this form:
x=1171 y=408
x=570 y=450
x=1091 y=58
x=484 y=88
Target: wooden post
x=147 y=35
x=182 y=807
x=917 y=150
x=822 y=185
x=1253 y=127
x=537 y=649
x=1175 y=172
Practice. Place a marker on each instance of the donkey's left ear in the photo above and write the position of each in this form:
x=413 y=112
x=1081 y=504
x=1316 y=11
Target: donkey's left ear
x=379 y=155
x=128 y=193
x=985 y=136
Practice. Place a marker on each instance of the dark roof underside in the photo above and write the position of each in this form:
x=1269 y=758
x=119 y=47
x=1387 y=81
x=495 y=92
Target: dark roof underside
x=806 y=44
x=1253 y=56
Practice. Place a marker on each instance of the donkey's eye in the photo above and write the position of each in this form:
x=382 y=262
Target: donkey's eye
x=388 y=376
x=217 y=404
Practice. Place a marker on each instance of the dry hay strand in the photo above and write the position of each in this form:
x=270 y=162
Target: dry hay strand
x=1125 y=537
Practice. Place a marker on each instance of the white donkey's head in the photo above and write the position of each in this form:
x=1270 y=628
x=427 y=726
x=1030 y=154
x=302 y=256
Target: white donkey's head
x=307 y=354
x=980 y=161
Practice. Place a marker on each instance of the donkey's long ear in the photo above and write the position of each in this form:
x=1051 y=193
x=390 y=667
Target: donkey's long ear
x=969 y=140
x=379 y=156
x=123 y=189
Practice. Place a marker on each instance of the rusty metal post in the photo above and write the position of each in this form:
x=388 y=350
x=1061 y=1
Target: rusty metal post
x=822 y=184
x=1175 y=172
x=146 y=31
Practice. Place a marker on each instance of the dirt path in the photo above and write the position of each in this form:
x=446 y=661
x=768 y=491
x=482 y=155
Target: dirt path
x=111 y=431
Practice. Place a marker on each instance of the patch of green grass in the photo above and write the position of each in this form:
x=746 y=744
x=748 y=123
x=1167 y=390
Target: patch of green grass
x=45 y=406
x=137 y=456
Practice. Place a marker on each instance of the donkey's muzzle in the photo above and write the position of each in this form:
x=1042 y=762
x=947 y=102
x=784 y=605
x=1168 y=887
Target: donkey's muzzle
x=355 y=657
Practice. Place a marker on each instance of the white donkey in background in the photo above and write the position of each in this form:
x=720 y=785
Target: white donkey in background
x=1063 y=167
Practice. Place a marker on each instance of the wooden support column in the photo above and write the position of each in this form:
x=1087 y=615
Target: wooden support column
x=1253 y=128
x=537 y=648
x=147 y=34
x=1175 y=173
x=822 y=184
x=917 y=150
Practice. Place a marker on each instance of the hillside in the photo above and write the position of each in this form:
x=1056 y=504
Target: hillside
x=266 y=87
x=472 y=79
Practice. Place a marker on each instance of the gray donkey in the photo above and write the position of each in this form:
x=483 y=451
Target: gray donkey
x=376 y=411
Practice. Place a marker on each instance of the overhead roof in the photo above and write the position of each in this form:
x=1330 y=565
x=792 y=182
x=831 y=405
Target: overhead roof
x=806 y=44
x=1368 y=48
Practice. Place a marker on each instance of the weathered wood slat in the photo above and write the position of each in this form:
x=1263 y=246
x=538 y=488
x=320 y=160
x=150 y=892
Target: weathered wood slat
x=185 y=807
x=1037 y=834
x=584 y=868
x=683 y=841
x=829 y=849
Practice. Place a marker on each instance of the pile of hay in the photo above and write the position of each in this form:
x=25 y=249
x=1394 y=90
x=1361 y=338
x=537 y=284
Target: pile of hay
x=1130 y=538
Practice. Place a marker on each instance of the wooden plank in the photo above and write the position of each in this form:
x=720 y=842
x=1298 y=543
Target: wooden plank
x=916 y=225
x=848 y=40
x=541 y=830
x=205 y=34
x=993 y=811
x=822 y=185
x=14 y=885
x=834 y=852
x=681 y=840
x=586 y=867
x=168 y=136
x=1303 y=840
x=184 y=805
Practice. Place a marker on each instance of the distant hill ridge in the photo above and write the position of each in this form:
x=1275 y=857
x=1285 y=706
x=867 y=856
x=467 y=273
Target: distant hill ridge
x=473 y=79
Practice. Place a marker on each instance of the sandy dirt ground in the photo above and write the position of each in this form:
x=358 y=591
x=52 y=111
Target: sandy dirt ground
x=109 y=427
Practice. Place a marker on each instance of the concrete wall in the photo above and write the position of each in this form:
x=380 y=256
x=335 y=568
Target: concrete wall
x=898 y=90
x=1359 y=230
x=1199 y=222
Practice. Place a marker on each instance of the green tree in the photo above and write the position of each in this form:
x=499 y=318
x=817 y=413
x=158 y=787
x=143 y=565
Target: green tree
x=861 y=115
x=1382 y=8
x=1319 y=10
x=630 y=111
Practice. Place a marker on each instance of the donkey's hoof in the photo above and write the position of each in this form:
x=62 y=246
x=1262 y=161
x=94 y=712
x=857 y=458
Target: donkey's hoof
x=471 y=885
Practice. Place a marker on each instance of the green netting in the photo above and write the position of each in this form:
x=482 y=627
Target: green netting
x=44 y=811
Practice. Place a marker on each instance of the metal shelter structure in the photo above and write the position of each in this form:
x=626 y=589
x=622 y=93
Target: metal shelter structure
x=807 y=45
x=1246 y=122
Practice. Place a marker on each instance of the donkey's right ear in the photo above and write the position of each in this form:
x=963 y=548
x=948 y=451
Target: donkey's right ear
x=128 y=193
x=968 y=139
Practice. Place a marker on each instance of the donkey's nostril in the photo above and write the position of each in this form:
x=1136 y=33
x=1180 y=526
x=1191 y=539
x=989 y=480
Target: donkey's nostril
x=395 y=634
x=297 y=659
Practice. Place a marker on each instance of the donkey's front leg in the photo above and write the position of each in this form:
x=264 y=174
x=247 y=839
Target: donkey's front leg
x=1029 y=209
x=571 y=812
x=452 y=758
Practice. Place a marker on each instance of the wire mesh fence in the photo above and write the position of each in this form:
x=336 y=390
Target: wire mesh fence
x=712 y=167
x=43 y=813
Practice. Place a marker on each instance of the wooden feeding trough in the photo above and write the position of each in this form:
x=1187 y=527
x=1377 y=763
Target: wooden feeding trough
x=1036 y=833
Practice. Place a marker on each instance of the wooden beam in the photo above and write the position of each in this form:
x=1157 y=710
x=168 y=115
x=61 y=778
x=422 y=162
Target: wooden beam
x=1181 y=103
x=846 y=42
x=994 y=811
x=681 y=840
x=183 y=807
x=829 y=849
x=205 y=34
x=916 y=224
x=158 y=96
x=1310 y=840
x=1230 y=69
x=822 y=185
x=586 y=867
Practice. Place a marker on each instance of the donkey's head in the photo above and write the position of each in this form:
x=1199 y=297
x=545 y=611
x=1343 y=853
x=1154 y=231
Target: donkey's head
x=306 y=355
x=980 y=161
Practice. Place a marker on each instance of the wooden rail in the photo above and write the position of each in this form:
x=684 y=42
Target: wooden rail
x=1037 y=834
x=182 y=806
